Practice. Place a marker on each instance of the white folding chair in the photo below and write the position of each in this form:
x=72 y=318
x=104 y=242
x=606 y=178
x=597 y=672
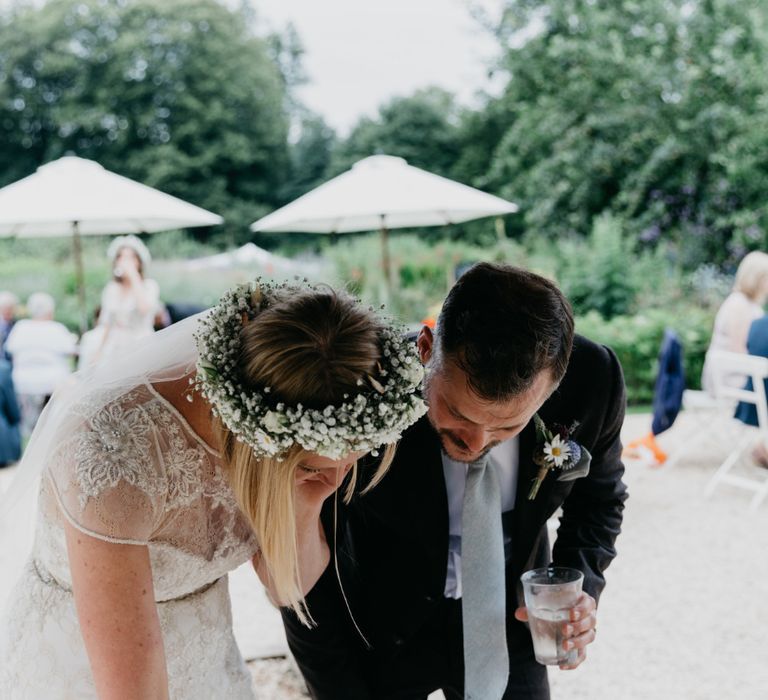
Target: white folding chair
x=704 y=419
x=754 y=478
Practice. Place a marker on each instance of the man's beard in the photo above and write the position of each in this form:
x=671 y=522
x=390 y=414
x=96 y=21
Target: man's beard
x=451 y=440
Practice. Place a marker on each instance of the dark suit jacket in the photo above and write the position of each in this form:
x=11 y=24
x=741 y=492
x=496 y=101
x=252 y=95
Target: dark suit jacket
x=10 y=416
x=670 y=383
x=5 y=329
x=392 y=543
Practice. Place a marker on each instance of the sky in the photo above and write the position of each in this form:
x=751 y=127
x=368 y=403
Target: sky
x=360 y=53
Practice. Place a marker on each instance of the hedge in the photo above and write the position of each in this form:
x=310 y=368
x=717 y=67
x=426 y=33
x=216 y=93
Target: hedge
x=637 y=339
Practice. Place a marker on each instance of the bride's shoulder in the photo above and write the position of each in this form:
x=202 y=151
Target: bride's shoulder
x=106 y=472
x=101 y=408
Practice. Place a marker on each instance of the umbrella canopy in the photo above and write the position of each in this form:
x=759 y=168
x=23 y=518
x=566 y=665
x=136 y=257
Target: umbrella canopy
x=74 y=197
x=254 y=257
x=383 y=192
x=74 y=190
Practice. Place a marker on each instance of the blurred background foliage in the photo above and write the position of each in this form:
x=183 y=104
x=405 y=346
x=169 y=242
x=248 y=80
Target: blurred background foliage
x=633 y=134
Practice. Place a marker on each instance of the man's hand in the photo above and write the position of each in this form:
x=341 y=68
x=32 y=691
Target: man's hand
x=579 y=631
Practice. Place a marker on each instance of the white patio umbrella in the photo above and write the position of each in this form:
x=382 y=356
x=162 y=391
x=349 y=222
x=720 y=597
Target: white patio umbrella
x=382 y=193
x=77 y=197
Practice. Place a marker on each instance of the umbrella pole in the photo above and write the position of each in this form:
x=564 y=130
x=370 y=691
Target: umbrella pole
x=77 y=248
x=385 y=260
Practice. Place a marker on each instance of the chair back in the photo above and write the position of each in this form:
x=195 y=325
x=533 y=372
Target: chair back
x=727 y=364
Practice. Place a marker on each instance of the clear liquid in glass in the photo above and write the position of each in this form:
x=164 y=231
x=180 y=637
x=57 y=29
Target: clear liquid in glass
x=547 y=632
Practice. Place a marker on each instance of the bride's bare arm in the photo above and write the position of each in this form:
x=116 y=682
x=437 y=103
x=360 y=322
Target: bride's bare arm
x=113 y=591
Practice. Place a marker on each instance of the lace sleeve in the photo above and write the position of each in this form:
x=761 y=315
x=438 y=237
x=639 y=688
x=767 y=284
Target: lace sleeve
x=108 y=478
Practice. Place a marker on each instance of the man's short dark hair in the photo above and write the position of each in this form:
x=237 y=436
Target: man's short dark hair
x=502 y=326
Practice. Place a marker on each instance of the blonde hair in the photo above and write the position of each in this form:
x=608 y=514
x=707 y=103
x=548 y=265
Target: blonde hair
x=308 y=347
x=752 y=275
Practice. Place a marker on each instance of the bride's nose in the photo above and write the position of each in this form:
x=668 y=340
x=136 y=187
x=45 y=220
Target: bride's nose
x=343 y=470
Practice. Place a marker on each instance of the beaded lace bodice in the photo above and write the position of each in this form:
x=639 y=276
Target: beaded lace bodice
x=135 y=472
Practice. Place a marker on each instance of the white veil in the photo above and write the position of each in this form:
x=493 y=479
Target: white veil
x=167 y=355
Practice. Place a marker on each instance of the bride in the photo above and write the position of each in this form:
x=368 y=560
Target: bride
x=214 y=442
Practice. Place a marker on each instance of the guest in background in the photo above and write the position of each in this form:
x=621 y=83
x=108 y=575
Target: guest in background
x=743 y=306
x=129 y=302
x=42 y=350
x=667 y=401
x=10 y=415
x=8 y=305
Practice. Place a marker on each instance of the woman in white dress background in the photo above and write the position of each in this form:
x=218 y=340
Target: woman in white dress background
x=129 y=301
x=147 y=499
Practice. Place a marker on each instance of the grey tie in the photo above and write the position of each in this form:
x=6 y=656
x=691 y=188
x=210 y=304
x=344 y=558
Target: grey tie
x=483 y=602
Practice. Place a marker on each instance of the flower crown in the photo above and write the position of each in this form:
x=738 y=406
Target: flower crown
x=363 y=422
x=134 y=243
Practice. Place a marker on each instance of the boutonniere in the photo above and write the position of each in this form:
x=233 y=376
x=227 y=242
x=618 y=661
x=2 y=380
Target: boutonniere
x=556 y=450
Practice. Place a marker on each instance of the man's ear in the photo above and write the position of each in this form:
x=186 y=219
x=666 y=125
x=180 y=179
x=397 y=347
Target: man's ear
x=425 y=342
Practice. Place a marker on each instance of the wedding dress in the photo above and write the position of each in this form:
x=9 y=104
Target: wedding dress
x=124 y=466
x=121 y=322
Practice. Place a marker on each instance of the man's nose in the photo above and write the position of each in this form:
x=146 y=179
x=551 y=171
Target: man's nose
x=475 y=438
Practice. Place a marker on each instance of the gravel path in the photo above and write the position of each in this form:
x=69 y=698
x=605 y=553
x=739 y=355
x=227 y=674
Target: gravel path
x=684 y=615
x=685 y=611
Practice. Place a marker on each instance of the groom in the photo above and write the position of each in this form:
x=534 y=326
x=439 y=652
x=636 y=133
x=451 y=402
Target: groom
x=416 y=611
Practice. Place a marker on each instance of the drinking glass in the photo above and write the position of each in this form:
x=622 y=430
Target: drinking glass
x=550 y=593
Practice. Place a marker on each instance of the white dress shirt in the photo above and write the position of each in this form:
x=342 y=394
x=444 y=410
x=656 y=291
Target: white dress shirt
x=504 y=457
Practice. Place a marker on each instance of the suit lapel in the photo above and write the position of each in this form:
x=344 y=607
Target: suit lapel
x=526 y=473
x=531 y=515
x=428 y=499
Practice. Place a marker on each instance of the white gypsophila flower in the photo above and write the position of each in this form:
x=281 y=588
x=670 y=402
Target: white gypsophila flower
x=362 y=423
x=273 y=422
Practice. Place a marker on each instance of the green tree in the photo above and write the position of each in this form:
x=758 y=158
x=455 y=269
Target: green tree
x=179 y=95
x=431 y=132
x=311 y=155
x=651 y=109
x=704 y=182
x=422 y=128
x=597 y=274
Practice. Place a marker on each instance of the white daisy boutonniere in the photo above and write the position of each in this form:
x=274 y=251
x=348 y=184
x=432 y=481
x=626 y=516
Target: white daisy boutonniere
x=556 y=450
